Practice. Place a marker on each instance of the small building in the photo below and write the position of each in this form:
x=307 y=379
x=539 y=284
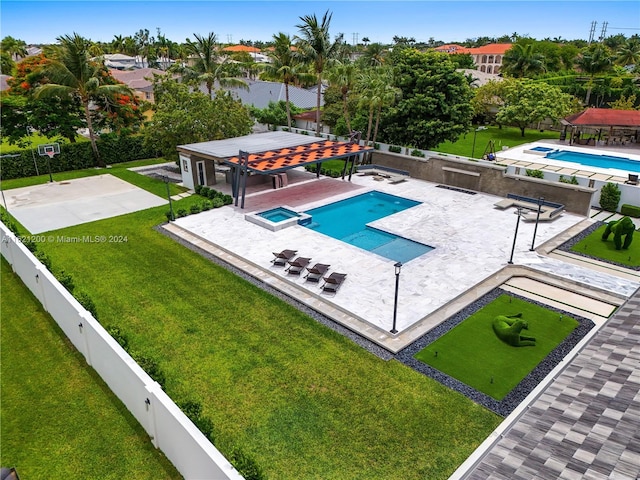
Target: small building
x=607 y=126
x=487 y=58
x=139 y=80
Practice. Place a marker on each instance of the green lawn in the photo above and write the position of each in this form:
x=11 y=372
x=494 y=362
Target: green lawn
x=302 y=400
x=32 y=141
x=57 y=418
x=505 y=136
x=594 y=246
x=473 y=354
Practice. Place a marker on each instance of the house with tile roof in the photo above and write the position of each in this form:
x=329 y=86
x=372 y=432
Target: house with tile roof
x=487 y=58
x=260 y=93
x=139 y=80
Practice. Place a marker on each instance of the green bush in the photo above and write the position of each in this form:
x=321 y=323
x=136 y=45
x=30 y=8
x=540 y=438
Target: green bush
x=44 y=259
x=198 y=189
x=573 y=180
x=85 y=300
x=119 y=336
x=211 y=193
x=630 y=210
x=150 y=366
x=417 y=153
x=535 y=173
x=227 y=199
x=395 y=149
x=182 y=213
x=169 y=215
x=206 y=205
x=217 y=202
x=610 y=197
x=246 y=466
x=193 y=410
x=195 y=208
x=66 y=280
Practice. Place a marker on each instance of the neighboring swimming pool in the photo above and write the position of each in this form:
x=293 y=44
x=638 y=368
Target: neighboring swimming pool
x=347 y=221
x=594 y=160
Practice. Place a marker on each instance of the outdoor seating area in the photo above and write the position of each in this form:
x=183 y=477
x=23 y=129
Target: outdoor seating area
x=297 y=265
x=548 y=210
x=333 y=282
x=281 y=258
x=316 y=272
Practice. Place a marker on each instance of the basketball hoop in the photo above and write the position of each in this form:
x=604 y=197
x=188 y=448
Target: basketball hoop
x=49 y=150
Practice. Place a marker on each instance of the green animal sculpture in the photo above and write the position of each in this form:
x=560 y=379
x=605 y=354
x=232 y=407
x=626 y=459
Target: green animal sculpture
x=508 y=328
x=620 y=228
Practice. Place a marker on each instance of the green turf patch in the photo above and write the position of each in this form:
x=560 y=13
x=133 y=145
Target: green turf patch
x=473 y=354
x=593 y=246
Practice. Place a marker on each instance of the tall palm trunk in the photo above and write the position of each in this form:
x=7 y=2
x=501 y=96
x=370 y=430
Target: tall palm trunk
x=92 y=135
x=346 y=109
x=286 y=96
x=318 y=105
x=375 y=130
x=369 y=125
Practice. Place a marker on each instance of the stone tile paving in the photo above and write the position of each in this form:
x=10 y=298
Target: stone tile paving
x=586 y=424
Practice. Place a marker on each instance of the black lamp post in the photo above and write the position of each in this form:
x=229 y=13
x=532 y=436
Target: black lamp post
x=515 y=236
x=475 y=132
x=535 y=229
x=166 y=182
x=398 y=267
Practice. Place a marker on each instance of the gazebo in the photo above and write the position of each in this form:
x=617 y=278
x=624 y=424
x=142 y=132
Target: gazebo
x=260 y=158
x=595 y=124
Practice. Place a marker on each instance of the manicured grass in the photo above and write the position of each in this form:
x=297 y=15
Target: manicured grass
x=505 y=136
x=58 y=418
x=32 y=141
x=594 y=246
x=473 y=354
x=119 y=170
x=300 y=399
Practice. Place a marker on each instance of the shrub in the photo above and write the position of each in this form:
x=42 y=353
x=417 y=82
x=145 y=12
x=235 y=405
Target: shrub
x=417 y=153
x=217 y=202
x=44 y=259
x=198 y=189
x=211 y=194
x=376 y=146
x=227 y=199
x=610 y=197
x=573 y=180
x=169 y=215
x=206 y=205
x=66 y=280
x=395 y=149
x=30 y=244
x=182 y=213
x=150 y=366
x=535 y=173
x=246 y=466
x=195 y=208
x=204 y=191
x=119 y=336
x=85 y=300
x=193 y=410
x=630 y=210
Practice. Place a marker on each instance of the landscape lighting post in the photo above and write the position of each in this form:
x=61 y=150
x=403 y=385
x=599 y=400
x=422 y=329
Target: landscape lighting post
x=166 y=182
x=398 y=267
x=535 y=229
x=515 y=236
x=475 y=132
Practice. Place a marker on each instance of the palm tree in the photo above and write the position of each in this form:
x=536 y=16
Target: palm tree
x=315 y=48
x=376 y=91
x=628 y=53
x=14 y=47
x=595 y=60
x=343 y=76
x=118 y=44
x=522 y=60
x=373 y=55
x=207 y=68
x=285 y=67
x=72 y=74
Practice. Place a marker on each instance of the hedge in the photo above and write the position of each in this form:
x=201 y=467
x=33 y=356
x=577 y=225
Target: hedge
x=630 y=210
x=77 y=156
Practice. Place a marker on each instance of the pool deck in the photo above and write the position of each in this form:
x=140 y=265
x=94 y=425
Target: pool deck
x=472 y=241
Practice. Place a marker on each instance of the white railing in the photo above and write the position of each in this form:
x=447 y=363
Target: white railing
x=168 y=427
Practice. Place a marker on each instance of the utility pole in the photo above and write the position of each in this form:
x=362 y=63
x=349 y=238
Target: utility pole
x=603 y=34
x=592 y=31
x=354 y=37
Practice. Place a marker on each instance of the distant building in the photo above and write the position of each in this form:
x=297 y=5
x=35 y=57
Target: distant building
x=139 y=80
x=487 y=58
x=118 y=61
x=261 y=93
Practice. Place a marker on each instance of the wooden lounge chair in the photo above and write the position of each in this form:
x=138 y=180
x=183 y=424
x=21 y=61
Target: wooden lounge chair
x=283 y=257
x=315 y=273
x=297 y=265
x=332 y=282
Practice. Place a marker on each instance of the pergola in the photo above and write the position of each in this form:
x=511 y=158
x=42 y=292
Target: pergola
x=617 y=125
x=264 y=154
x=280 y=160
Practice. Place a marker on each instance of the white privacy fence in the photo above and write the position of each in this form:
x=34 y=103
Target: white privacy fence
x=168 y=427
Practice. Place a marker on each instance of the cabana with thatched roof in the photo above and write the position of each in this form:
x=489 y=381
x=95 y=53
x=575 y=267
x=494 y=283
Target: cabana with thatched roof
x=615 y=127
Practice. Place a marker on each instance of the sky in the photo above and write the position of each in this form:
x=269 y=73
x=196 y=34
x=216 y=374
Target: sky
x=38 y=22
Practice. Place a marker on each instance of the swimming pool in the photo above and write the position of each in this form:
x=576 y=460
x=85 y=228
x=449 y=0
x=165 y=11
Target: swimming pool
x=347 y=221
x=277 y=218
x=594 y=160
x=279 y=214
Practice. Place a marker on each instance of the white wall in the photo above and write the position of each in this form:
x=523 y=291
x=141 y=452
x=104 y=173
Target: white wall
x=168 y=427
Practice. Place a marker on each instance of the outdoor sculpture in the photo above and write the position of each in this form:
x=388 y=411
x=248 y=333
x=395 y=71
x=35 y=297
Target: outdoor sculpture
x=508 y=328
x=619 y=228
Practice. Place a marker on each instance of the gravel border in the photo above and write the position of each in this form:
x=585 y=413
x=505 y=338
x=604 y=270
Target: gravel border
x=569 y=244
x=405 y=356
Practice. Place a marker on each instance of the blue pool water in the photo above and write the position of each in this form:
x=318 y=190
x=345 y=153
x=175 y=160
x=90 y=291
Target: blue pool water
x=542 y=149
x=347 y=220
x=593 y=160
x=278 y=214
